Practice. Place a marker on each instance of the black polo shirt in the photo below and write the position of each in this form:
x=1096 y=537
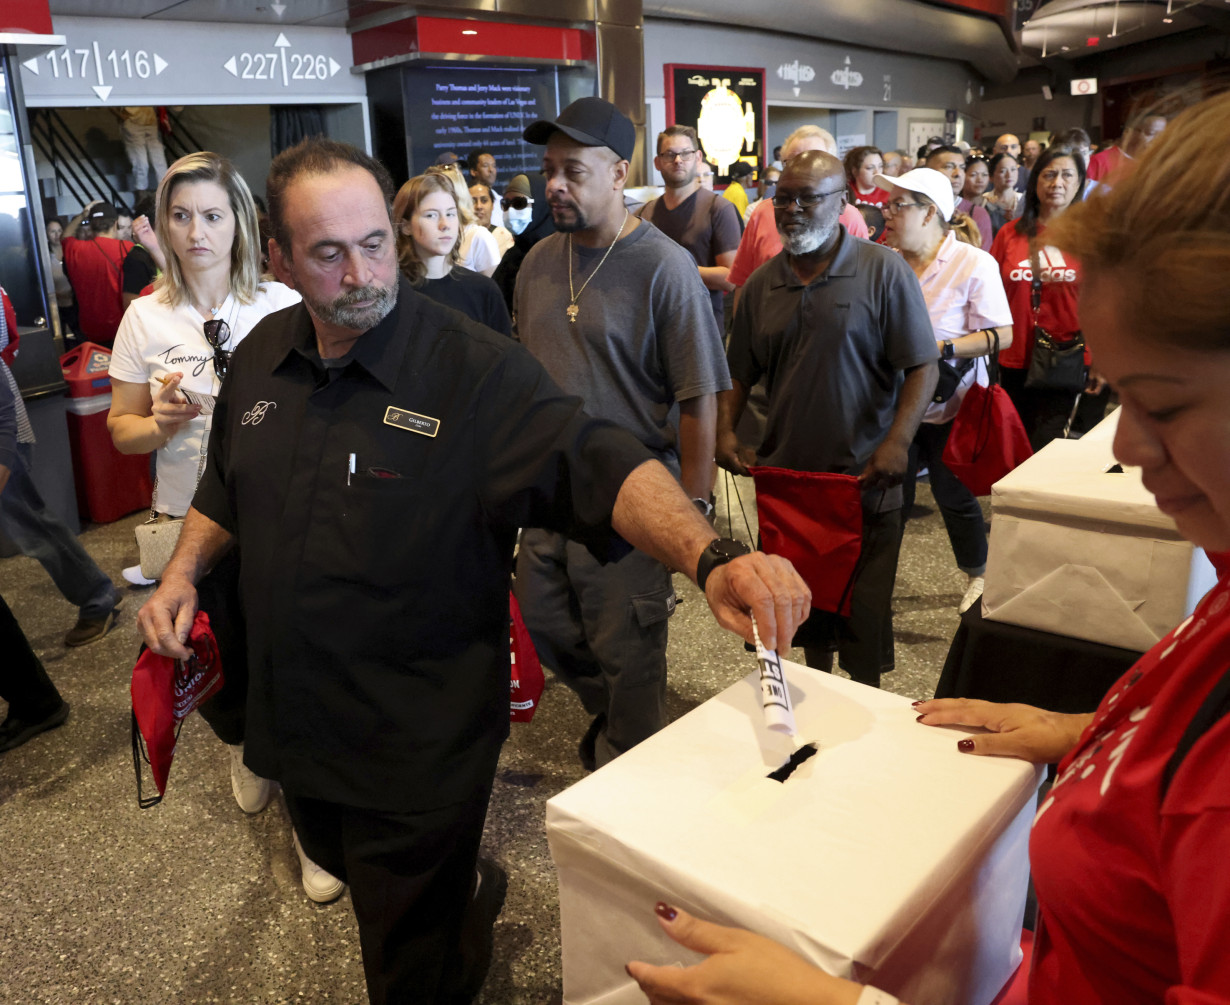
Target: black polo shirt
x=832 y=353
x=377 y=602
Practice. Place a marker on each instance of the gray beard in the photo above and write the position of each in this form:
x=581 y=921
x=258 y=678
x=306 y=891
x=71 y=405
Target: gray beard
x=806 y=241
x=341 y=312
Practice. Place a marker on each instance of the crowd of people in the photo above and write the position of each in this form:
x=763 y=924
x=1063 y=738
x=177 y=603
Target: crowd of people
x=549 y=375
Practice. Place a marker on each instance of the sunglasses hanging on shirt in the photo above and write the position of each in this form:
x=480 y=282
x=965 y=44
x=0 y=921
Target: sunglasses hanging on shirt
x=218 y=334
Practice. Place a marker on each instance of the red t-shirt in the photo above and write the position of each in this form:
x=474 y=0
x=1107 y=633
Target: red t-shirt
x=1105 y=163
x=1134 y=890
x=876 y=197
x=95 y=268
x=1060 y=288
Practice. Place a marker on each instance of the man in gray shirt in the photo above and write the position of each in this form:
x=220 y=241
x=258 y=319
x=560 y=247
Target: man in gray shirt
x=839 y=329
x=704 y=224
x=617 y=314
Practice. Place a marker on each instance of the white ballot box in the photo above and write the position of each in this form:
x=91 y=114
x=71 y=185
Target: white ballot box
x=1082 y=550
x=888 y=856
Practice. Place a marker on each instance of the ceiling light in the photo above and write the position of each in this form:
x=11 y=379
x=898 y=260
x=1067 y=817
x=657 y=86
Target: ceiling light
x=469 y=31
x=1167 y=20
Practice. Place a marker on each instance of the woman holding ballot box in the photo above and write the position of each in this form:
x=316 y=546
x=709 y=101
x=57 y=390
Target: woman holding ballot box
x=1130 y=849
x=170 y=357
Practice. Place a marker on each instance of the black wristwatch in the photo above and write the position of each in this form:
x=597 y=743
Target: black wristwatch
x=948 y=350
x=720 y=551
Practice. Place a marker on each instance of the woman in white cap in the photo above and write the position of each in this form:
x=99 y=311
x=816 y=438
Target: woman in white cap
x=969 y=313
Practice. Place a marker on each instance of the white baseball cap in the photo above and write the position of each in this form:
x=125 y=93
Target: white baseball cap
x=935 y=185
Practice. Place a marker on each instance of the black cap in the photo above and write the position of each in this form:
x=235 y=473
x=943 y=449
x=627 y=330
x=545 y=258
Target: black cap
x=591 y=122
x=446 y=158
x=104 y=212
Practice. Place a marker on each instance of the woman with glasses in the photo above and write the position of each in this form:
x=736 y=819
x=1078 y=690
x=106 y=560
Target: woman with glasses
x=428 y=225
x=968 y=309
x=171 y=355
x=1047 y=307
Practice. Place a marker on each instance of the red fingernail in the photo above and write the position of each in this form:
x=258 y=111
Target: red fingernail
x=915 y=704
x=965 y=746
x=665 y=911
x=921 y=717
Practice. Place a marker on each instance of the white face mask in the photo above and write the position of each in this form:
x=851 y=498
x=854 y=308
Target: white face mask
x=517 y=220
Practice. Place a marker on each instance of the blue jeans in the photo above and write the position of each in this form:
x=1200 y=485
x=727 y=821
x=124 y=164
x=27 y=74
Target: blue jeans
x=42 y=535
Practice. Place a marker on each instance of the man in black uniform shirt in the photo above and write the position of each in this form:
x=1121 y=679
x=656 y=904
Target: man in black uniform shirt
x=373 y=454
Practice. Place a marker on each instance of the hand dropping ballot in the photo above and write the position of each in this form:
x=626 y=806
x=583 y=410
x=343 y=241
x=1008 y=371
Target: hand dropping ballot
x=774 y=691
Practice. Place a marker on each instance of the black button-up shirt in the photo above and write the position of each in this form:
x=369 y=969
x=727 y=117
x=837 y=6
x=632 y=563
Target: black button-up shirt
x=377 y=601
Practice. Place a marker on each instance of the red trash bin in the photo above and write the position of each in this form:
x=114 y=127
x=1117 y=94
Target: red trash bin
x=109 y=484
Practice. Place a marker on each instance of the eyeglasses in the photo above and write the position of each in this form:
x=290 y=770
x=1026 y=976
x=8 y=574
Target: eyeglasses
x=670 y=156
x=516 y=202
x=895 y=207
x=218 y=334
x=805 y=201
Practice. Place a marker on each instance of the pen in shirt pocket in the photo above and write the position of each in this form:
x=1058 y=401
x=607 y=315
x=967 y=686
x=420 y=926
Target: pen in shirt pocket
x=350 y=469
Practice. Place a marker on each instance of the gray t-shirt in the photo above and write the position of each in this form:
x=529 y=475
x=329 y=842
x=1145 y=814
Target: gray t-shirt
x=832 y=353
x=705 y=225
x=644 y=337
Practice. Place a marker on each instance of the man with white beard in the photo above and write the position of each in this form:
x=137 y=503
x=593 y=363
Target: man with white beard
x=838 y=328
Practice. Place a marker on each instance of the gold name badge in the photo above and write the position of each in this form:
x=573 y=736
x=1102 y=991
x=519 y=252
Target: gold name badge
x=424 y=425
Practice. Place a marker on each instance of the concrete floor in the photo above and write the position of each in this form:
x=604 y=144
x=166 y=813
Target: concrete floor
x=194 y=902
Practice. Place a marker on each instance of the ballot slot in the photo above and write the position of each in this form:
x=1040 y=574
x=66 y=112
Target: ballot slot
x=805 y=752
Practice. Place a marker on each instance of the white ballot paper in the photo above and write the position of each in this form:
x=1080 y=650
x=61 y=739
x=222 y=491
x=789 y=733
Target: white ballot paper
x=206 y=401
x=774 y=691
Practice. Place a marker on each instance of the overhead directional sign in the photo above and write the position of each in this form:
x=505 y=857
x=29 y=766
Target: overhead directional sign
x=106 y=61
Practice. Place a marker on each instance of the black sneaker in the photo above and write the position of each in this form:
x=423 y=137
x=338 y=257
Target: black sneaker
x=477 y=928
x=15 y=731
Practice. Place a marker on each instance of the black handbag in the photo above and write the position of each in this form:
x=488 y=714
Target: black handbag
x=950 y=379
x=1056 y=364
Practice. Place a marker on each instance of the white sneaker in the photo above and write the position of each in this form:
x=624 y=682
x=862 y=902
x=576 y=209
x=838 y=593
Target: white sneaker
x=972 y=592
x=252 y=792
x=319 y=885
x=134 y=576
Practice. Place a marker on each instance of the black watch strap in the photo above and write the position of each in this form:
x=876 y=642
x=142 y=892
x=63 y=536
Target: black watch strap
x=720 y=551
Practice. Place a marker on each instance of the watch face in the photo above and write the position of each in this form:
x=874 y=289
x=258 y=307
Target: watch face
x=727 y=548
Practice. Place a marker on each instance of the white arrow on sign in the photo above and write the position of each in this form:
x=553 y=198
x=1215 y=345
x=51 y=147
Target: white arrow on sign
x=334 y=66
x=32 y=65
x=230 y=67
x=103 y=92
x=160 y=64
x=281 y=43
x=278 y=8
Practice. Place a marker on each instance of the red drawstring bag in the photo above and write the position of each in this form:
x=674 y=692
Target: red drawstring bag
x=987 y=439
x=164 y=692
x=526 y=681
x=815 y=519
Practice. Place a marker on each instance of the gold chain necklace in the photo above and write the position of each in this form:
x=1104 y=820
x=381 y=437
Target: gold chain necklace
x=573 y=310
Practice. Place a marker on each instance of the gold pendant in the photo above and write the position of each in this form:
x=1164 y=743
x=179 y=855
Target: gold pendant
x=572 y=312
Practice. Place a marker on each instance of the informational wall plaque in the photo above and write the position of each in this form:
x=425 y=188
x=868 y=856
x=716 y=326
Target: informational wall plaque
x=726 y=107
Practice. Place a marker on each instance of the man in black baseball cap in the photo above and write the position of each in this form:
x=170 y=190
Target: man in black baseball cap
x=616 y=313
x=591 y=122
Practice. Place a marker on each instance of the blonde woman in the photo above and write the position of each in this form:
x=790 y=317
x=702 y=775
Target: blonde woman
x=171 y=354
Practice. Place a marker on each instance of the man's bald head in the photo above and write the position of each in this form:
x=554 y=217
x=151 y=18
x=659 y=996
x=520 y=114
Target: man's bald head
x=1008 y=144
x=814 y=166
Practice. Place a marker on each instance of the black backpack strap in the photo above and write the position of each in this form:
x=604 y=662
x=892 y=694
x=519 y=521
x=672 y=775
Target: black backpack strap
x=1214 y=707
